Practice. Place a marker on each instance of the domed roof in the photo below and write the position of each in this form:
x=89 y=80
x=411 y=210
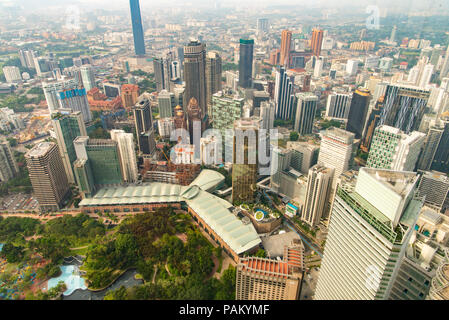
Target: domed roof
x=178 y=107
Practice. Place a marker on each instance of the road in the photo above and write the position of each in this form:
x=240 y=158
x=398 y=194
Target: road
x=304 y=238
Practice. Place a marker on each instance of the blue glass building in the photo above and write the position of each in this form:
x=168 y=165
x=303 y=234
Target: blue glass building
x=136 y=19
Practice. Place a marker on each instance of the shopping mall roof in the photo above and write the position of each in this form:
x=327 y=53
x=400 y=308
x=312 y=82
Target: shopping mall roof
x=213 y=210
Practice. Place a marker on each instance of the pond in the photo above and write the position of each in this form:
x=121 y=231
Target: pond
x=71 y=277
x=127 y=280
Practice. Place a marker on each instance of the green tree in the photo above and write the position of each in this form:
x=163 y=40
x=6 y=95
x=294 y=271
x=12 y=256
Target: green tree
x=294 y=136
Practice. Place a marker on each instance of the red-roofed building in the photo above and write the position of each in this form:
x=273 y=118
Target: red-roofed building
x=269 y=279
x=100 y=102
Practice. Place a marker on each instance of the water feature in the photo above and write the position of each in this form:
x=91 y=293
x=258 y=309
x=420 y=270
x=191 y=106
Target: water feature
x=71 y=277
x=127 y=280
x=1 y=247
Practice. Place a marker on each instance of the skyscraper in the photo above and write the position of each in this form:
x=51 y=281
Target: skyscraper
x=161 y=68
x=269 y=279
x=305 y=113
x=67 y=94
x=195 y=74
x=88 y=77
x=166 y=104
x=8 y=165
x=445 y=68
x=130 y=94
x=143 y=121
x=441 y=158
x=430 y=146
x=127 y=154
x=68 y=125
x=358 y=111
x=47 y=176
x=213 y=77
x=434 y=186
x=318 y=190
x=393 y=149
x=246 y=63
x=371 y=125
x=338 y=105
x=404 y=106
x=262 y=25
x=286 y=41
x=317 y=41
x=136 y=20
x=103 y=159
x=369 y=230
x=336 y=151
x=283 y=95
x=245 y=159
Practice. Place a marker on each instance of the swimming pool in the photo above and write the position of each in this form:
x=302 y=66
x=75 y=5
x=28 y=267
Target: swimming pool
x=71 y=280
x=1 y=247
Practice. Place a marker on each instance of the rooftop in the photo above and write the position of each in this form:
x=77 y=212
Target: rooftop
x=401 y=182
x=213 y=210
x=40 y=149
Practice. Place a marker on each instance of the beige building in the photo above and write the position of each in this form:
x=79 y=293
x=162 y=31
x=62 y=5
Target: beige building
x=269 y=279
x=48 y=176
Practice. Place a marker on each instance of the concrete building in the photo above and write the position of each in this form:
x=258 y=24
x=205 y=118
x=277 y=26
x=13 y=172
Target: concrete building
x=304 y=155
x=88 y=77
x=336 y=151
x=358 y=112
x=305 y=113
x=130 y=94
x=435 y=187
x=392 y=149
x=269 y=279
x=284 y=95
x=12 y=74
x=338 y=104
x=8 y=165
x=166 y=104
x=47 y=175
x=267 y=112
x=369 y=231
x=213 y=77
x=127 y=154
x=319 y=184
x=143 y=121
x=195 y=75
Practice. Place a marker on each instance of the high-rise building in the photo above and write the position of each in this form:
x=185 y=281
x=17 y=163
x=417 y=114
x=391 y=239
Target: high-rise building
x=8 y=165
x=195 y=75
x=130 y=94
x=371 y=125
x=165 y=127
x=263 y=25
x=12 y=74
x=246 y=63
x=127 y=153
x=213 y=76
x=358 y=111
x=267 y=113
x=369 y=230
x=305 y=113
x=445 y=68
x=352 y=67
x=47 y=176
x=393 y=149
x=430 y=146
x=318 y=190
x=194 y=116
x=286 y=41
x=88 y=77
x=166 y=104
x=27 y=58
x=103 y=159
x=143 y=121
x=67 y=94
x=162 y=77
x=225 y=110
x=304 y=155
x=336 y=151
x=269 y=279
x=393 y=34
x=68 y=125
x=439 y=289
x=338 y=105
x=245 y=159
x=404 y=106
x=136 y=20
x=441 y=159
x=283 y=95
x=317 y=41
x=435 y=187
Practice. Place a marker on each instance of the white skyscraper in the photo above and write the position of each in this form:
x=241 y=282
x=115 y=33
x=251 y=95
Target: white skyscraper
x=336 y=151
x=267 y=113
x=338 y=104
x=393 y=149
x=318 y=68
x=305 y=112
x=128 y=161
x=318 y=191
x=369 y=230
x=351 y=67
